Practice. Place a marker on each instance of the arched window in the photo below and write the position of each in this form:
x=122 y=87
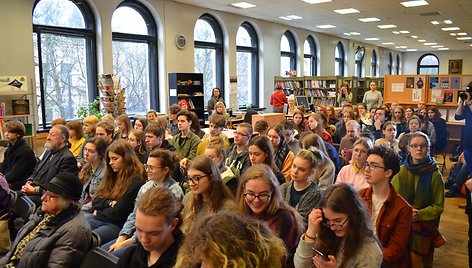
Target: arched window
x=309 y=57
x=390 y=63
x=64 y=57
x=373 y=64
x=359 y=60
x=135 y=55
x=247 y=64
x=398 y=64
x=339 y=59
x=428 y=64
x=288 y=55
x=208 y=38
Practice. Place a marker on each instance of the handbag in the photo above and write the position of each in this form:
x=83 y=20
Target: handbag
x=5 y=242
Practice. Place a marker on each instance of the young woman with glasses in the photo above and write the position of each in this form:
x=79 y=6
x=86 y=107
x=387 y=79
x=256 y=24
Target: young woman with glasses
x=340 y=230
x=259 y=196
x=208 y=193
x=420 y=183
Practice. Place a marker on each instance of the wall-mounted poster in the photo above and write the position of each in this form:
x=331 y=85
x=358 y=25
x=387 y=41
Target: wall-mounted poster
x=13 y=84
x=444 y=82
x=410 y=82
x=448 y=96
x=455 y=82
x=433 y=82
x=455 y=66
x=420 y=82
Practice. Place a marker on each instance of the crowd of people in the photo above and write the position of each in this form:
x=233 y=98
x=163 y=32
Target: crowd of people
x=356 y=189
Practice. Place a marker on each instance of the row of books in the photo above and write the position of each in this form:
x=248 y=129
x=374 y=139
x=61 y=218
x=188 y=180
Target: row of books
x=290 y=83
x=313 y=92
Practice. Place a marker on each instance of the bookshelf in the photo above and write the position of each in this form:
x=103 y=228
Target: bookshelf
x=321 y=90
x=16 y=106
x=290 y=85
x=189 y=87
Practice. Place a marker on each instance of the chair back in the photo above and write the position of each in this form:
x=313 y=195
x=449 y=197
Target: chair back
x=12 y=201
x=23 y=207
x=98 y=257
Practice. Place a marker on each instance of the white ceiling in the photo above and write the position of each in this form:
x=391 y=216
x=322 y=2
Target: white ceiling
x=389 y=11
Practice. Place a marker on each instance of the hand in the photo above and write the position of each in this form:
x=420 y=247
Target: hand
x=112 y=203
x=94 y=213
x=120 y=245
x=314 y=219
x=377 y=124
x=28 y=188
x=183 y=163
x=319 y=262
x=415 y=214
x=468 y=184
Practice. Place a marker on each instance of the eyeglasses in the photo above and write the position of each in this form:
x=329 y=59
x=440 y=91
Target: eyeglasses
x=372 y=166
x=418 y=146
x=239 y=134
x=335 y=226
x=150 y=168
x=196 y=179
x=262 y=197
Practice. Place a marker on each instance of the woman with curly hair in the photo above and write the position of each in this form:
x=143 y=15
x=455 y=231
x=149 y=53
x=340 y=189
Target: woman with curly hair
x=208 y=193
x=230 y=240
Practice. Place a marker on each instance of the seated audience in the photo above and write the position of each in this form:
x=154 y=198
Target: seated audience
x=89 y=124
x=289 y=131
x=196 y=127
x=440 y=128
x=261 y=152
x=291 y=105
x=137 y=140
x=300 y=191
x=238 y=156
x=261 y=127
x=341 y=126
x=214 y=99
x=259 y=196
x=157 y=228
x=458 y=176
x=364 y=115
x=151 y=116
x=390 y=214
x=398 y=118
x=59 y=235
x=325 y=172
x=331 y=115
x=315 y=125
x=124 y=127
x=186 y=142
x=105 y=130
x=140 y=123
x=340 y=230
x=241 y=242
x=378 y=121
x=76 y=137
x=217 y=153
x=282 y=154
x=184 y=105
x=19 y=159
x=208 y=193
x=389 y=132
x=216 y=135
x=420 y=183
x=354 y=173
x=110 y=119
x=155 y=137
x=57 y=158
x=344 y=94
x=352 y=134
x=409 y=112
x=58 y=121
x=173 y=111
x=220 y=109
x=93 y=171
x=4 y=196
x=414 y=125
x=164 y=123
x=299 y=123
x=113 y=201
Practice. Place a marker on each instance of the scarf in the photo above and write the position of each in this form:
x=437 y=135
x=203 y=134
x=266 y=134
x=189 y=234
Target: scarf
x=422 y=197
x=280 y=154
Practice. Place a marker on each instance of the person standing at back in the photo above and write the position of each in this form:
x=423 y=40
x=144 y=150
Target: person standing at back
x=278 y=99
x=373 y=98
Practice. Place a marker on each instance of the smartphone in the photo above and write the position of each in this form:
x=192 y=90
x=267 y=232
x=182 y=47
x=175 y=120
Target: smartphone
x=317 y=252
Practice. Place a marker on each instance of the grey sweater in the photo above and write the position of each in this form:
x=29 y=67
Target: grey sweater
x=309 y=200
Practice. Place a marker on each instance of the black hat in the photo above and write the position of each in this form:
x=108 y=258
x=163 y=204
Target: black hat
x=66 y=185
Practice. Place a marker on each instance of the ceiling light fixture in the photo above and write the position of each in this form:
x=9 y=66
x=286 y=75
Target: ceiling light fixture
x=294 y=17
x=414 y=36
x=346 y=11
x=435 y=22
x=461 y=33
x=448 y=21
x=403 y=47
x=243 y=5
x=415 y=3
x=316 y=1
x=453 y=34
x=388 y=43
x=396 y=32
x=348 y=34
x=451 y=29
x=404 y=32
x=325 y=26
x=355 y=33
x=443 y=48
x=421 y=40
x=429 y=44
x=437 y=46
x=369 y=19
x=464 y=38
x=387 y=26
x=412 y=49
x=371 y=39
x=285 y=18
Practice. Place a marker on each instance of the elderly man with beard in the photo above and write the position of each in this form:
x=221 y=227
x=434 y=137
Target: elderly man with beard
x=56 y=159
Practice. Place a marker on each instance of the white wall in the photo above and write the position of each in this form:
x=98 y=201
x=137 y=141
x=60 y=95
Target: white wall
x=410 y=61
x=16 y=48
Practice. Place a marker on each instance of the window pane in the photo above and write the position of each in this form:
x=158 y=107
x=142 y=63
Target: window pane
x=37 y=78
x=204 y=32
x=131 y=62
x=430 y=70
x=205 y=63
x=285 y=45
x=128 y=20
x=429 y=60
x=337 y=53
x=307 y=48
x=243 y=38
x=337 y=70
x=244 y=69
x=284 y=65
x=64 y=74
x=61 y=13
x=307 y=66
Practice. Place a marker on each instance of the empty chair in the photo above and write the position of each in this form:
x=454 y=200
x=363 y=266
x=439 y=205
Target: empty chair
x=98 y=257
x=23 y=207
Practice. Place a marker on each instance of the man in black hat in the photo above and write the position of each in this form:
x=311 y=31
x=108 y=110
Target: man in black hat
x=59 y=235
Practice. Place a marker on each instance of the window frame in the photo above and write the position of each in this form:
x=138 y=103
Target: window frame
x=313 y=56
x=390 y=63
x=340 y=61
x=373 y=64
x=419 y=66
x=398 y=64
x=88 y=33
x=254 y=50
x=292 y=54
x=151 y=41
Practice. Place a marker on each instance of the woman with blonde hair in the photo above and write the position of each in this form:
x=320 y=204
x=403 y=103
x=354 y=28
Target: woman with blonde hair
x=114 y=199
x=208 y=193
x=88 y=127
x=241 y=242
x=325 y=173
x=259 y=196
x=220 y=109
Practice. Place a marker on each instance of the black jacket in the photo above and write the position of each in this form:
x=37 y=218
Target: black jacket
x=61 y=161
x=18 y=164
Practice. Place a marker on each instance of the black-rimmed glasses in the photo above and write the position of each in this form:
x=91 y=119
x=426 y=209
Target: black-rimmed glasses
x=252 y=196
x=196 y=179
x=336 y=226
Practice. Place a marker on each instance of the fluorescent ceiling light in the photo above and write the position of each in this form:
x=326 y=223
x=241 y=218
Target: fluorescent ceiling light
x=461 y=33
x=316 y=1
x=435 y=22
x=396 y=32
x=448 y=21
x=404 y=32
x=412 y=49
x=402 y=46
x=421 y=40
x=346 y=11
x=388 y=43
x=355 y=33
x=429 y=44
x=347 y=34
x=397 y=47
x=387 y=26
x=325 y=26
x=414 y=36
x=464 y=38
x=453 y=34
x=369 y=19
x=451 y=29
x=243 y=5
x=414 y=3
x=443 y=48
x=285 y=18
x=294 y=17
x=371 y=39
x=437 y=46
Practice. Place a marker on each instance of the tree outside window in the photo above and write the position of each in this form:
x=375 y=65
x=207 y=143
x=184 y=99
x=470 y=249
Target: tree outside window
x=247 y=65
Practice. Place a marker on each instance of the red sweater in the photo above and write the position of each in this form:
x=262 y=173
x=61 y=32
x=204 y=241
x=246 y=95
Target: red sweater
x=278 y=99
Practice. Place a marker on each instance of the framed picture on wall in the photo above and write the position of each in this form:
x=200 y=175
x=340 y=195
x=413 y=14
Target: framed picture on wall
x=455 y=66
